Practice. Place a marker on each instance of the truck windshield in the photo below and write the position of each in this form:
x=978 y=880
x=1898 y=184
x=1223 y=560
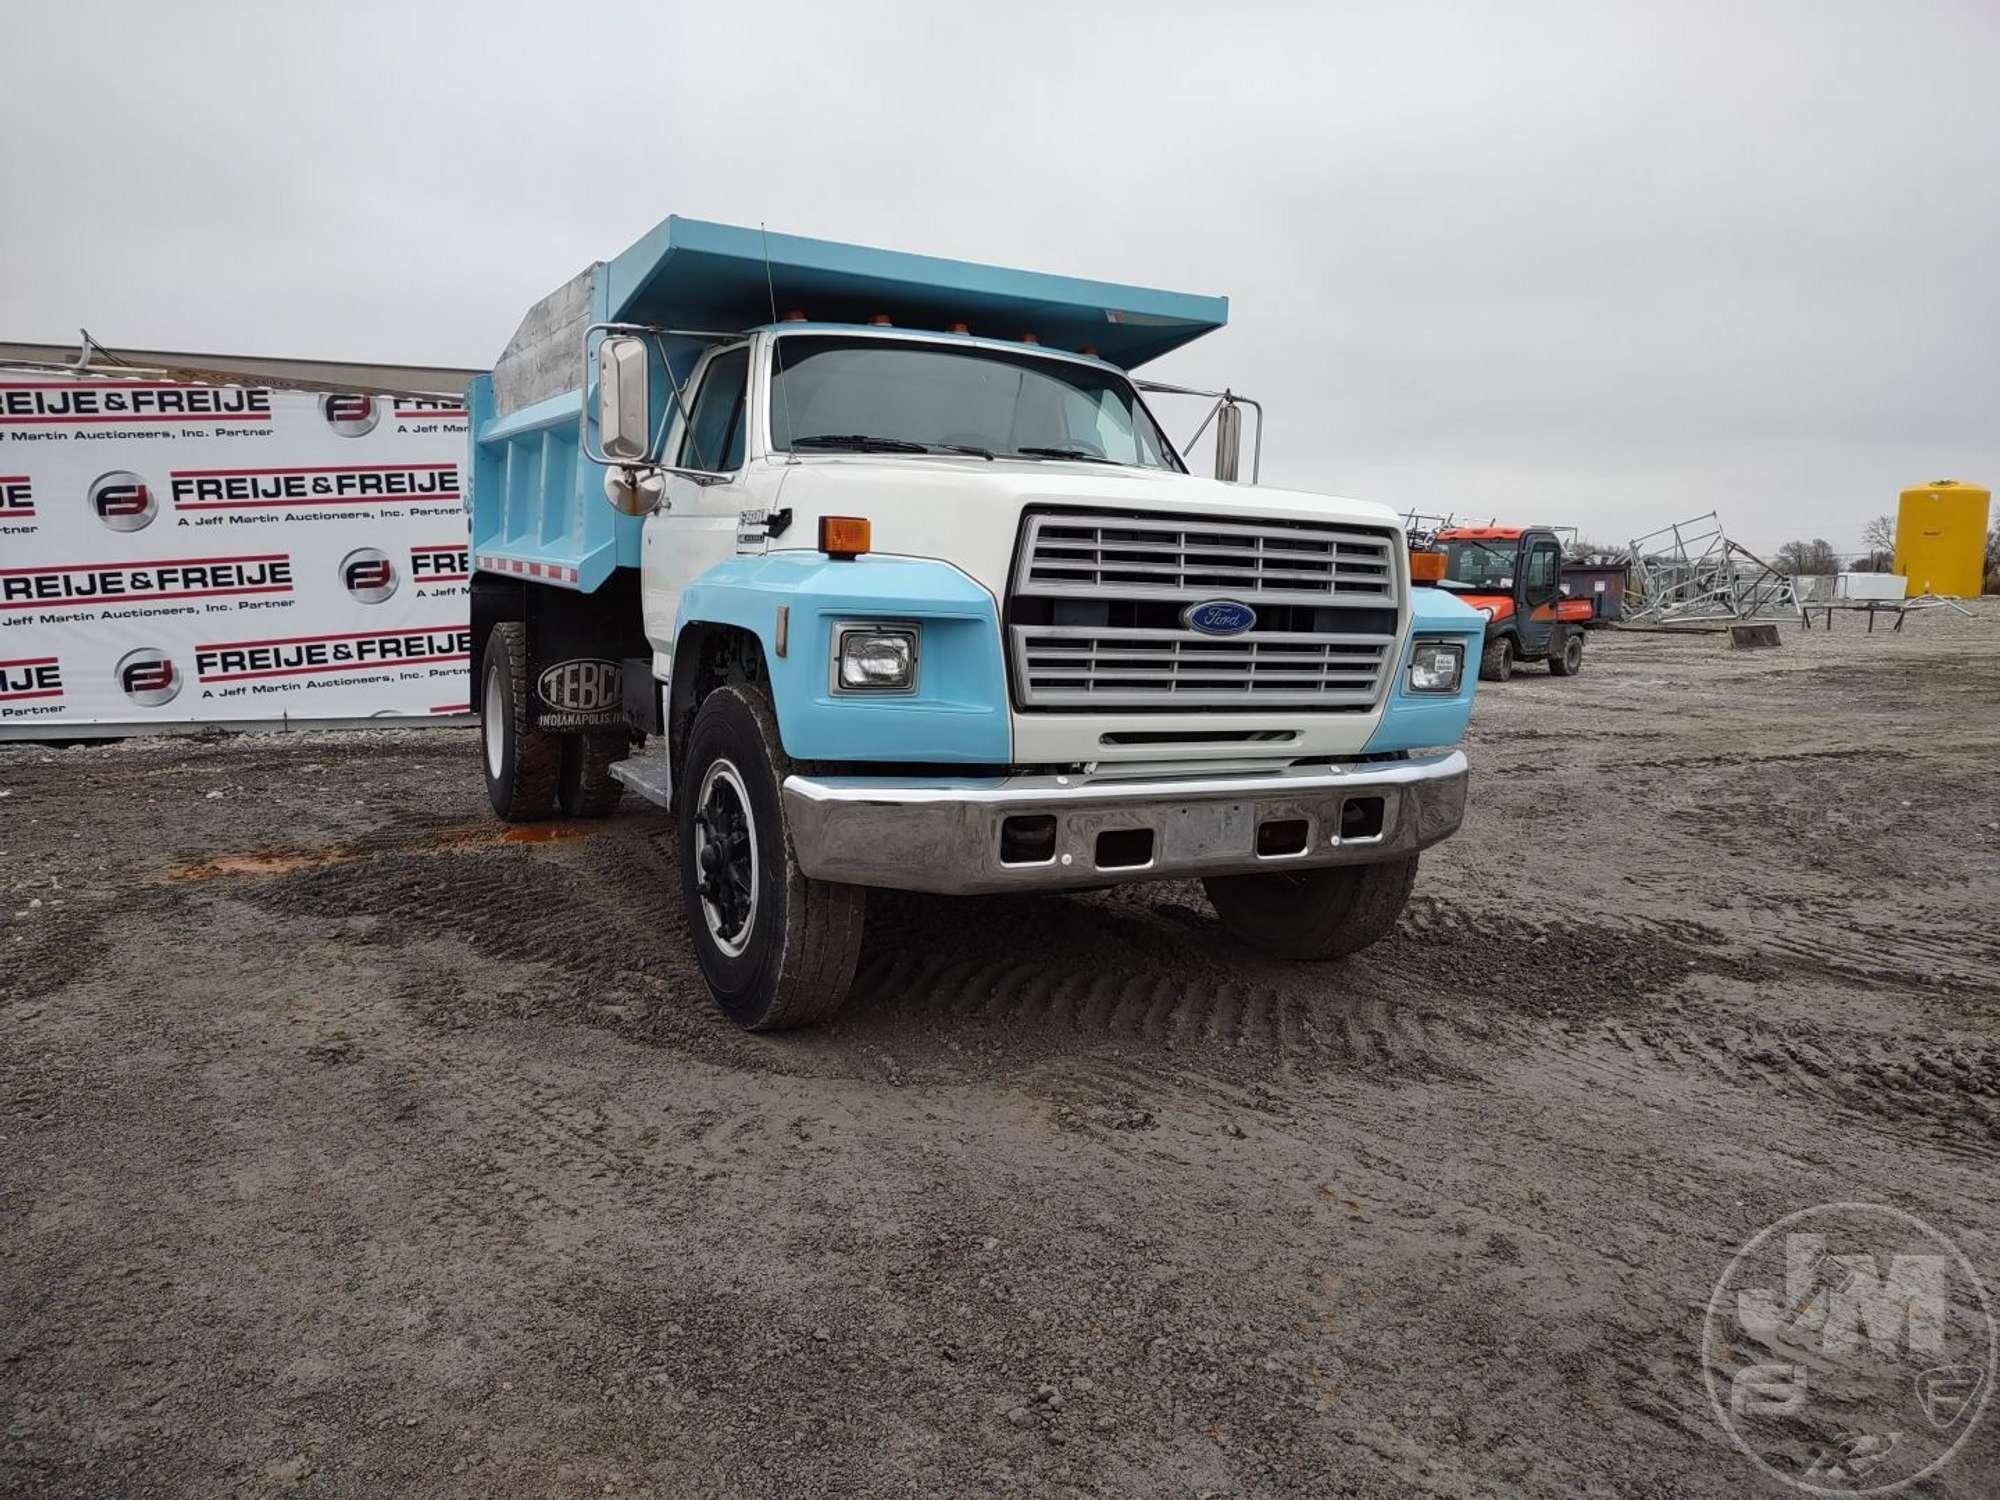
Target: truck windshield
x=1478 y=565
x=882 y=396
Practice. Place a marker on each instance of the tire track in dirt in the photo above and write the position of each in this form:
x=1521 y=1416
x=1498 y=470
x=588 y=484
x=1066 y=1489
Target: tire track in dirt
x=1947 y=1092
x=1164 y=1011
x=1944 y=952
x=1160 y=982
x=599 y=915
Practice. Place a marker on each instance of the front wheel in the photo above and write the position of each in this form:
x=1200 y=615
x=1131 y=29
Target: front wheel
x=1314 y=915
x=1496 y=662
x=776 y=948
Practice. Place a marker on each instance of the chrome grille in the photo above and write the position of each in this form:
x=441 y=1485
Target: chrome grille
x=1145 y=557
x=1076 y=665
x=1073 y=572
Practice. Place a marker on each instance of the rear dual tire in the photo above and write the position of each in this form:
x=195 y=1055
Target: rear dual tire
x=523 y=765
x=585 y=787
x=529 y=772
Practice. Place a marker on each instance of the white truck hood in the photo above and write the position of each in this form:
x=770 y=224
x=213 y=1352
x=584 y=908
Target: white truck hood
x=915 y=488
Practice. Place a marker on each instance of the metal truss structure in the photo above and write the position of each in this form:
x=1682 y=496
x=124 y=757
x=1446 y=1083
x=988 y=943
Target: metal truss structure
x=1693 y=572
x=1423 y=529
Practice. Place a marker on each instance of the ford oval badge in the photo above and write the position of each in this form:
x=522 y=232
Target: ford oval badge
x=1219 y=617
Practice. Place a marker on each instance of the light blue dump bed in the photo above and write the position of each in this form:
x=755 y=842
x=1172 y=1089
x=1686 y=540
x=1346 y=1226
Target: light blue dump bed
x=538 y=507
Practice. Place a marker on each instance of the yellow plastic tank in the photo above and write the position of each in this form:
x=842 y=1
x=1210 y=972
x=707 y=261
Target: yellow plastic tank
x=1941 y=539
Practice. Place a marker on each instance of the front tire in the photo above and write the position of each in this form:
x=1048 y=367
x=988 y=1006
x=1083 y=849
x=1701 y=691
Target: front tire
x=522 y=763
x=1314 y=915
x=777 y=949
x=1496 y=662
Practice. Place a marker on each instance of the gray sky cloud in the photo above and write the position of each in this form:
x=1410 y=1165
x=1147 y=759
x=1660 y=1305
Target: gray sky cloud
x=1610 y=265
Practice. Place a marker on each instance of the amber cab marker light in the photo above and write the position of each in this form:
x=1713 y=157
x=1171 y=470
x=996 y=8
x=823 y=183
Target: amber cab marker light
x=1426 y=567
x=796 y=315
x=843 y=536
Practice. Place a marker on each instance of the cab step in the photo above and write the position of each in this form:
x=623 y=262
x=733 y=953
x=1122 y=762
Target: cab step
x=648 y=775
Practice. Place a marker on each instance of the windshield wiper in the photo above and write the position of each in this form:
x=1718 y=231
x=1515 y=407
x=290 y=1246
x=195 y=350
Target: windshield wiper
x=1078 y=453
x=860 y=442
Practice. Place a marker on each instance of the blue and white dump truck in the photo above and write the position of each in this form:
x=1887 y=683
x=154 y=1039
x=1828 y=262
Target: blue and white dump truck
x=879 y=570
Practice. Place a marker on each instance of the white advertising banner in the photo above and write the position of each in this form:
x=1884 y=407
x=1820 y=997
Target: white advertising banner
x=189 y=554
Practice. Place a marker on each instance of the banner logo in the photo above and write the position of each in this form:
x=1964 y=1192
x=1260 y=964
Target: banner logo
x=318 y=655
x=84 y=584
x=582 y=686
x=446 y=562
x=148 y=677
x=123 y=501
x=128 y=401
x=31 y=677
x=17 y=498
x=368 y=575
x=342 y=484
x=350 y=416
x=413 y=410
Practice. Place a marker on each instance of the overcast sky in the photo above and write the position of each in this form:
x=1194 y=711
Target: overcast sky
x=1609 y=265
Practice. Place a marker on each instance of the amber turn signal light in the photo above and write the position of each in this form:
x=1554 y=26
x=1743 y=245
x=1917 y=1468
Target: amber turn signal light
x=844 y=536
x=1426 y=567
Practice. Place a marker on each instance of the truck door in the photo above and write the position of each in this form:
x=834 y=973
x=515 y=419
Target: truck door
x=697 y=527
x=1541 y=588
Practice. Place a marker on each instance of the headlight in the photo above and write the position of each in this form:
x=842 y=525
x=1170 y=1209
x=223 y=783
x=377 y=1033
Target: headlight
x=1487 y=610
x=872 y=660
x=1435 y=667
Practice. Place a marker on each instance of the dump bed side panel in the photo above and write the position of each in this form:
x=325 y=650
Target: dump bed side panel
x=538 y=506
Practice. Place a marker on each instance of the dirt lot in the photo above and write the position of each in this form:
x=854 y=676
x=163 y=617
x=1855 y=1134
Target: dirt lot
x=353 y=1147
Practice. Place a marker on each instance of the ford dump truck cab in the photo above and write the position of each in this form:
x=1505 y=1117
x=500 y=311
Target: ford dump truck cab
x=881 y=570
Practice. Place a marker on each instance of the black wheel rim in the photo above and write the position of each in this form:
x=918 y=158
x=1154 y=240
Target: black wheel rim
x=725 y=855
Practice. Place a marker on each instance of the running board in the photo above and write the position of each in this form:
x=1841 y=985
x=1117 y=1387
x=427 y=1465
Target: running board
x=648 y=775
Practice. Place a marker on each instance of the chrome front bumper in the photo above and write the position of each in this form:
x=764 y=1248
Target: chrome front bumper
x=944 y=833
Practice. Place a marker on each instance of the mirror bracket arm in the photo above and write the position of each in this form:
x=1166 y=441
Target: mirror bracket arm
x=658 y=335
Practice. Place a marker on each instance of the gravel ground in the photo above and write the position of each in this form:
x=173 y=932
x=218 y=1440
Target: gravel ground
x=354 y=1147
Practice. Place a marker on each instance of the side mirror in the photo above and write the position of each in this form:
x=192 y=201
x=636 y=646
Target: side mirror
x=1228 y=440
x=624 y=400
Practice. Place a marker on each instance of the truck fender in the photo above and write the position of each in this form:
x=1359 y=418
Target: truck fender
x=708 y=653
